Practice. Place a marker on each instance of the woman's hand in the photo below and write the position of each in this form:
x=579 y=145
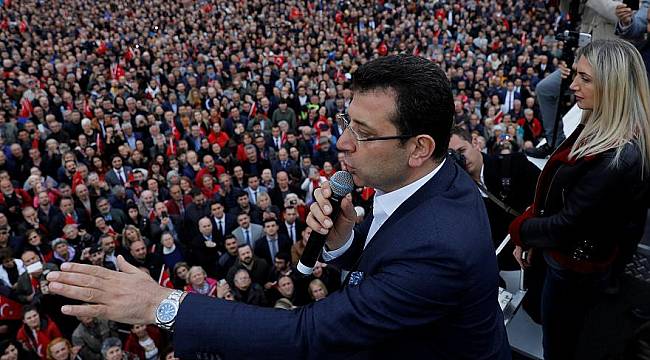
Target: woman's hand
x=523 y=257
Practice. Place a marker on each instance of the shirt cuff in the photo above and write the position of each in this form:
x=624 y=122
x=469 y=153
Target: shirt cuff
x=331 y=255
x=622 y=29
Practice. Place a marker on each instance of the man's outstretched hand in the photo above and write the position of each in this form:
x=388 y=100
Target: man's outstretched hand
x=130 y=296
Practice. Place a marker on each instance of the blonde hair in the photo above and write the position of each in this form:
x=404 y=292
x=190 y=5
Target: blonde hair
x=50 y=355
x=195 y=269
x=125 y=240
x=621 y=102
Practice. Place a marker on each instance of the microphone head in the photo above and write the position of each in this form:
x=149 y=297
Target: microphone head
x=341 y=183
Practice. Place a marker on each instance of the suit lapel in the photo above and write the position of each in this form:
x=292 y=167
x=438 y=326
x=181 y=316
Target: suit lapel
x=436 y=185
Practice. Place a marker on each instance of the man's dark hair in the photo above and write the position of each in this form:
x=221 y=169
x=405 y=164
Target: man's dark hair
x=270 y=220
x=424 y=100
x=6 y=254
x=242 y=193
x=461 y=133
x=195 y=192
x=284 y=256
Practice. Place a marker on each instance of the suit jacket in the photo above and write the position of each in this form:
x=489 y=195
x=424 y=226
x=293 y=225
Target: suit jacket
x=512 y=179
x=249 y=191
x=426 y=287
x=276 y=166
x=257 y=231
x=262 y=247
x=112 y=179
x=205 y=256
x=230 y=222
x=300 y=226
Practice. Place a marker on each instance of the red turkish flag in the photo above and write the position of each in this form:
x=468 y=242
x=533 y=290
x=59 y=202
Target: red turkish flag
x=164 y=279
x=26 y=108
x=9 y=309
x=77 y=179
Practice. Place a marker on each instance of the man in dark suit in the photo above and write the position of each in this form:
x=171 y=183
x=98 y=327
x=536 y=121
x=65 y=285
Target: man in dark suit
x=272 y=242
x=508 y=96
x=292 y=227
x=283 y=163
x=423 y=274
x=282 y=188
x=195 y=211
x=205 y=247
x=118 y=174
x=222 y=223
x=511 y=178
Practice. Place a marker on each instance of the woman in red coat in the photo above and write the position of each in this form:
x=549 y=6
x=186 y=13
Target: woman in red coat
x=37 y=332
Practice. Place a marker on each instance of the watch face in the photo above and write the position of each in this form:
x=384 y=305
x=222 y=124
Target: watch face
x=166 y=311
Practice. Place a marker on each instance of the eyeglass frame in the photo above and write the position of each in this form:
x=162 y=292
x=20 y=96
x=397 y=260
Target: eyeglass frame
x=342 y=118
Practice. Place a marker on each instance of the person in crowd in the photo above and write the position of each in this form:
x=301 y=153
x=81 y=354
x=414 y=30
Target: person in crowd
x=228 y=257
x=61 y=349
x=247 y=232
x=13 y=350
x=603 y=165
x=247 y=291
x=258 y=268
x=112 y=350
x=271 y=243
x=37 y=332
x=317 y=290
x=200 y=283
x=89 y=335
x=11 y=268
x=145 y=341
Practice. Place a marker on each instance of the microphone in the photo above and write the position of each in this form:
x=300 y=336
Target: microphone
x=341 y=184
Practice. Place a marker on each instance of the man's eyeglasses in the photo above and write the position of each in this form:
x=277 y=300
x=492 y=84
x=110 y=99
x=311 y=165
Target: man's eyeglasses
x=343 y=121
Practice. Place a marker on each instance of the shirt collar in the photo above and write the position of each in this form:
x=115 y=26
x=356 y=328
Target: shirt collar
x=387 y=203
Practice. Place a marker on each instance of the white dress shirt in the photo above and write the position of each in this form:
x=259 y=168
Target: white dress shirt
x=383 y=206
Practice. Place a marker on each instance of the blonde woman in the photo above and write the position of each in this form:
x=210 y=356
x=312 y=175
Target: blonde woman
x=198 y=282
x=131 y=234
x=590 y=206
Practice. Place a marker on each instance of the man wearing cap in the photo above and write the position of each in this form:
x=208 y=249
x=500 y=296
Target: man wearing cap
x=325 y=153
x=97 y=257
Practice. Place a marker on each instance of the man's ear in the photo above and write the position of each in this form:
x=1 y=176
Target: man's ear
x=421 y=150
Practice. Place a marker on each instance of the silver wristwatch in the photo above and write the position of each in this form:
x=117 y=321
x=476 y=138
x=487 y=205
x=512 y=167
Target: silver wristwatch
x=168 y=309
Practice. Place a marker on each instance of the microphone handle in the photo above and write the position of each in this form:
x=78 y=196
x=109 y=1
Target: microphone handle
x=317 y=240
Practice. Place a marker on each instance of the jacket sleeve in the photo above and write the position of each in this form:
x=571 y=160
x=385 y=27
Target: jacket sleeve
x=357 y=317
x=584 y=201
x=639 y=24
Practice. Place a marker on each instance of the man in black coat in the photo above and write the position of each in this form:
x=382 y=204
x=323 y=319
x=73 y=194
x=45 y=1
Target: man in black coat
x=196 y=210
x=139 y=257
x=511 y=178
x=292 y=227
x=272 y=242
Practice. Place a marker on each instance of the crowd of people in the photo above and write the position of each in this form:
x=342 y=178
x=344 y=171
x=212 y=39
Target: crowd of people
x=189 y=136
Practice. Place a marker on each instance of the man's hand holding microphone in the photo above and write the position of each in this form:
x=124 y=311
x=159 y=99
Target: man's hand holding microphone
x=331 y=217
